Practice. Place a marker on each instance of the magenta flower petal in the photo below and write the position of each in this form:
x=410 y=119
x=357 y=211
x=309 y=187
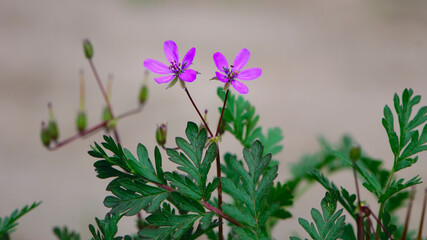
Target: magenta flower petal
x=249 y=74
x=171 y=51
x=188 y=58
x=241 y=59
x=156 y=66
x=164 y=79
x=188 y=75
x=221 y=77
x=240 y=87
x=220 y=61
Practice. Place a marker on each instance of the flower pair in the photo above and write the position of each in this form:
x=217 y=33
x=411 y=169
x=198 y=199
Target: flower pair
x=229 y=74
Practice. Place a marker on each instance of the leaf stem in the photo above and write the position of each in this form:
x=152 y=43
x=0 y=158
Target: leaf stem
x=104 y=94
x=381 y=210
x=220 y=213
x=200 y=115
x=359 y=221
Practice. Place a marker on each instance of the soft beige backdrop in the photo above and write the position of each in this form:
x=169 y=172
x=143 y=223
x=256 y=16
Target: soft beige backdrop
x=328 y=68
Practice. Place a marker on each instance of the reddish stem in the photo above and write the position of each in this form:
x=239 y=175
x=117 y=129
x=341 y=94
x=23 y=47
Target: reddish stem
x=104 y=94
x=220 y=213
x=408 y=214
x=198 y=112
x=420 y=229
x=79 y=134
x=222 y=114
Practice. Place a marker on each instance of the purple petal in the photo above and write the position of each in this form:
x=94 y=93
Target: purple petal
x=164 y=79
x=241 y=59
x=249 y=74
x=171 y=51
x=188 y=76
x=188 y=58
x=221 y=77
x=220 y=61
x=240 y=87
x=156 y=66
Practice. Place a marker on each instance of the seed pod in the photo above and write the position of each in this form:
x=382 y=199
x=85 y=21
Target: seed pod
x=161 y=134
x=45 y=135
x=88 y=48
x=143 y=94
x=81 y=121
x=53 y=129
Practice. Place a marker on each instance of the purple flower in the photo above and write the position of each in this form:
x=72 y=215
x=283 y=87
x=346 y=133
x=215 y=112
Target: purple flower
x=175 y=71
x=229 y=75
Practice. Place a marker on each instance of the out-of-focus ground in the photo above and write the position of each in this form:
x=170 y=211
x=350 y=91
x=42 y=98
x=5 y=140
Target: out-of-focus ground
x=329 y=67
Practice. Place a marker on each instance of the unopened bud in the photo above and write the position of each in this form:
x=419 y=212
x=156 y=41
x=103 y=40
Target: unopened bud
x=106 y=116
x=355 y=154
x=88 y=48
x=143 y=94
x=53 y=130
x=45 y=135
x=161 y=134
x=81 y=121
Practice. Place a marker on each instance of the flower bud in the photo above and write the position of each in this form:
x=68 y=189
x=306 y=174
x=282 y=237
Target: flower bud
x=45 y=135
x=88 y=48
x=106 y=114
x=161 y=134
x=81 y=121
x=355 y=153
x=53 y=130
x=143 y=94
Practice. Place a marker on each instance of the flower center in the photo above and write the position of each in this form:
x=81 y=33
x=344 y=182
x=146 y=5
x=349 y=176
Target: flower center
x=230 y=74
x=175 y=67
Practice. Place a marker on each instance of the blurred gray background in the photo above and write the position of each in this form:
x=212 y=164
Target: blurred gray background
x=329 y=67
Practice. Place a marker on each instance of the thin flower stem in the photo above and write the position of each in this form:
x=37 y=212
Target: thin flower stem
x=130 y=112
x=200 y=115
x=359 y=205
x=219 y=189
x=222 y=114
x=104 y=94
x=378 y=222
x=78 y=135
x=408 y=214
x=372 y=229
x=420 y=229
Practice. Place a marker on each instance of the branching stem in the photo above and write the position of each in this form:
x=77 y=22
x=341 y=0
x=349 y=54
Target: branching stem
x=104 y=94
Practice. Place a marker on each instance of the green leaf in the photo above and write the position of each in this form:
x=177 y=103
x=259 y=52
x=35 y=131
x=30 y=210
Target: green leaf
x=185 y=185
x=107 y=227
x=133 y=196
x=8 y=223
x=397 y=186
x=329 y=224
x=143 y=167
x=171 y=225
x=65 y=234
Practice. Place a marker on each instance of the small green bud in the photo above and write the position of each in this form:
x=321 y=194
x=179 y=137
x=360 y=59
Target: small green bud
x=81 y=121
x=143 y=94
x=88 y=48
x=161 y=134
x=106 y=114
x=53 y=129
x=45 y=135
x=355 y=153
